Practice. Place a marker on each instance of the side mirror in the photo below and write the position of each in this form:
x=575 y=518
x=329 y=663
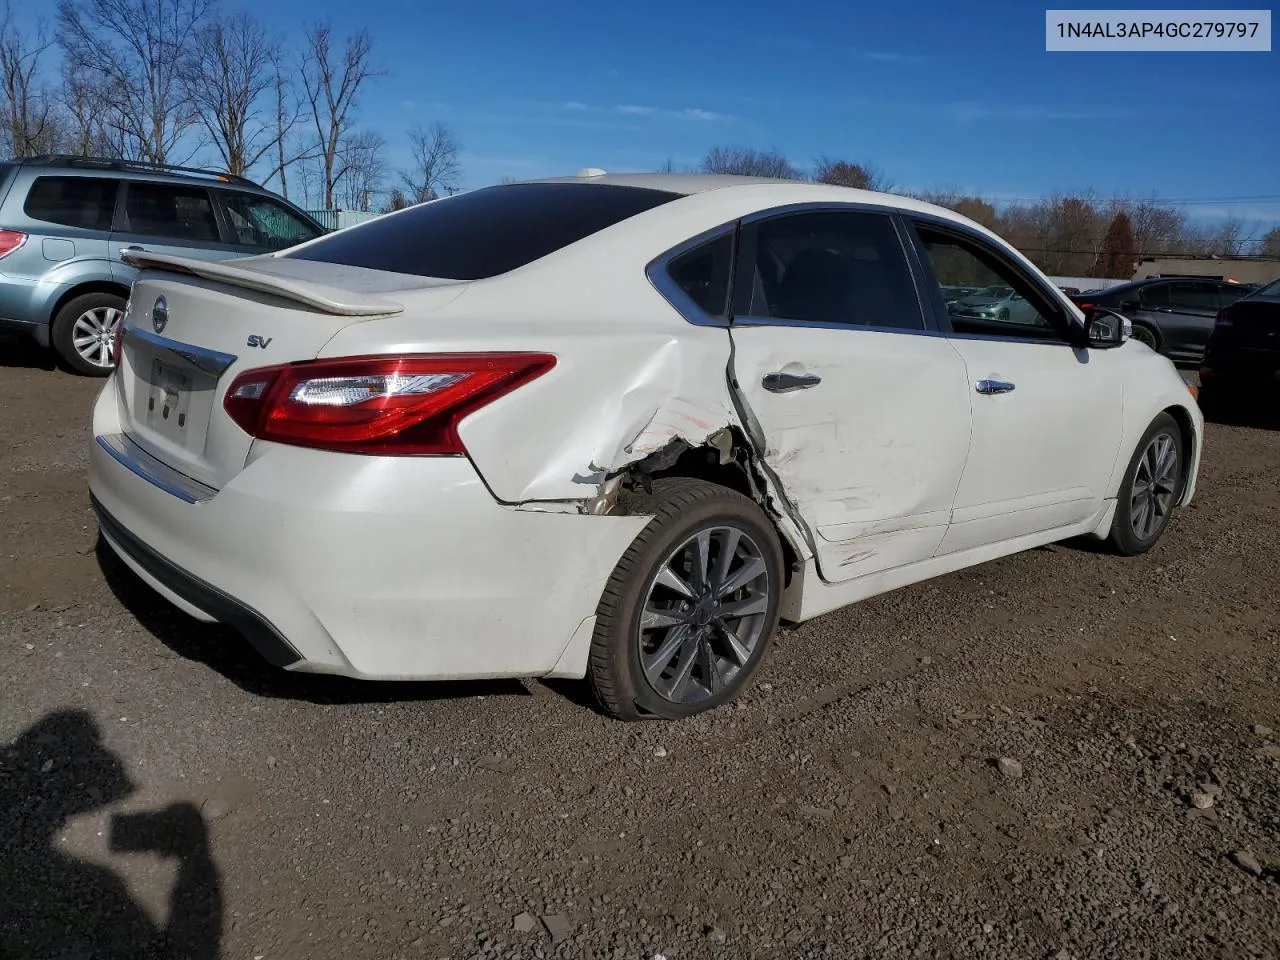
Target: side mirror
x=1105 y=328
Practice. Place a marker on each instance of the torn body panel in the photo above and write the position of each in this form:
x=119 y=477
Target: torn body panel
x=872 y=482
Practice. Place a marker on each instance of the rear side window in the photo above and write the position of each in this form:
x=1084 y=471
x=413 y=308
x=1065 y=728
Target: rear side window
x=262 y=222
x=704 y=273
x=846 y=268
x=486 y=232
x=167 y=210
x=85 y=202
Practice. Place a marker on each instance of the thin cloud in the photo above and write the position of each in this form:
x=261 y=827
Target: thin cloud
x=889 y=56
x=969 y=112
x=696 y=114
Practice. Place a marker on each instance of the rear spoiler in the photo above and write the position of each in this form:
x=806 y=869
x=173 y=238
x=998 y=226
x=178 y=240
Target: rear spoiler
x=334 y=300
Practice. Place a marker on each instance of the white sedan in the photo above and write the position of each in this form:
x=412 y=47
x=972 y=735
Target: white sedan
x=612 y=427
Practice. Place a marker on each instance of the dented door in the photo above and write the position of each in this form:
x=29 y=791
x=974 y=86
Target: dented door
x=870 y=454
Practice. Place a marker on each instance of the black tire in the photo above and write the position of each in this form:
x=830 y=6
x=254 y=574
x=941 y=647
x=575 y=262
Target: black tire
x=681 y=508
x=1124 y=538
x=1148 y=335
x=63 y=334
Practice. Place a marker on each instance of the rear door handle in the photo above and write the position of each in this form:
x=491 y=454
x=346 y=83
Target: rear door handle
x=132 y=248
x=786 y=382
x=994 y=386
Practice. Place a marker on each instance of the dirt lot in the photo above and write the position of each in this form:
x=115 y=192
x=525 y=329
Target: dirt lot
x=852 y=805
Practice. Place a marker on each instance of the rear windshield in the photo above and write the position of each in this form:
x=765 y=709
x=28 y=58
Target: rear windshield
x=485 y=232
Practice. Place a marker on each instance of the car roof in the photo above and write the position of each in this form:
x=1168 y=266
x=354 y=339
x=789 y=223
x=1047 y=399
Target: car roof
x=765 y=191
x=133 y=170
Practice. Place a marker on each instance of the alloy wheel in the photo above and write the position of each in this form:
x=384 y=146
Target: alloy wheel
x=1154 y=484
x=93 y=335
x=704 y=614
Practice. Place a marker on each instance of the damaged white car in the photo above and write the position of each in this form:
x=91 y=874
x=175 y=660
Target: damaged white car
x=613 y=427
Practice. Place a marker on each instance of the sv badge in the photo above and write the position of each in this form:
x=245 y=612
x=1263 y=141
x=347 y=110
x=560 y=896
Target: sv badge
x=257 y=341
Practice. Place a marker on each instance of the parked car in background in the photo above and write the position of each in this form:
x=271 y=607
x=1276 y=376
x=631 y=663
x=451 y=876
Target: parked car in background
x=1242 y=359
x=1173 y=316
x=613 y=427
x=1003 y=304
x=64 y=222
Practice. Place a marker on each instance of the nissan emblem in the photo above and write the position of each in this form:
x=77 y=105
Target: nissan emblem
x=160 y=314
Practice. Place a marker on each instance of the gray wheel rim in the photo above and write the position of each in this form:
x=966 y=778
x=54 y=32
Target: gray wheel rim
x=1154 y=484
x=93 y=334
x=704 y=614
x=1144 y=335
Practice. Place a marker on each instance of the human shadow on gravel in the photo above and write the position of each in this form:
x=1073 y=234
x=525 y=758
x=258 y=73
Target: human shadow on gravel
x=223 y=650
x=53 y=904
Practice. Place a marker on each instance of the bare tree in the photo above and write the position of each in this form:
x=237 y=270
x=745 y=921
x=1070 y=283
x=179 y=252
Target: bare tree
x=1271 y=243
x=362 y=169
x=749 y=162
x=28 y=110
x=332 y=83
x=845 y=174
x=136 y=48
x=396 y=200
x=1117 y=258
x=435 y=163
x=86 y=107
x=228 y=80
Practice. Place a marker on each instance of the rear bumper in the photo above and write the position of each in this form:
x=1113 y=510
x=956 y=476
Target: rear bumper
x=380 y=568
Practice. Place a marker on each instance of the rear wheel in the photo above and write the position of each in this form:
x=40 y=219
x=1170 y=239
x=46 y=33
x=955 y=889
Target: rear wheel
x=689 y=612
x=84 y=332
x=1151 y=488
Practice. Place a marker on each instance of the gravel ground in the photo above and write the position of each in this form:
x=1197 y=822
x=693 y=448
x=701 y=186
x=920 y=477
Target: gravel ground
x=1062 y=754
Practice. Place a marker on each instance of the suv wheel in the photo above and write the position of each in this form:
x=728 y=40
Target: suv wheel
x=84 y=331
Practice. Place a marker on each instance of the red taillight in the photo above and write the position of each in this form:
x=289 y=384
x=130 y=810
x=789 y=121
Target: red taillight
x=384 y=405
x=1084 y=306
x=117 y=338
x=11 y=240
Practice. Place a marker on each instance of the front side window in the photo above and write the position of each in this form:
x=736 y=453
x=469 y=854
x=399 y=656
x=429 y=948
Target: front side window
x=85 y=202
x=704 y=272
x=830 y=267
x=170 y=211
x=485 y=232
x=264 y=223
x=1003 y=303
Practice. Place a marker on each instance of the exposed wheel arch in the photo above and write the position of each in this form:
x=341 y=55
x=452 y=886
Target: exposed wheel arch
x=728 y=463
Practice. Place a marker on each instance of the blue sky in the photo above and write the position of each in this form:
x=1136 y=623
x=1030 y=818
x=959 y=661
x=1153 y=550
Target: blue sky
x=935 y=93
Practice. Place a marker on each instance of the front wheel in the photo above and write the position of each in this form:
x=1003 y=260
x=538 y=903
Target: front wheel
x=1144 y=334
x=689 y=612
x=1151 y=488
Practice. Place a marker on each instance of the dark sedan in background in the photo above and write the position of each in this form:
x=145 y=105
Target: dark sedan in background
x=1171 y=315
x=1242 y=359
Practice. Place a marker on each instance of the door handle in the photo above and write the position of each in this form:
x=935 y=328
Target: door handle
x=132 y=248
x=989 y=387
x=786 y=382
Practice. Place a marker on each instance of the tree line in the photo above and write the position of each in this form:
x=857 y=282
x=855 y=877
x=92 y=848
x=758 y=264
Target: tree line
x=168 y=81
x=1067 y=235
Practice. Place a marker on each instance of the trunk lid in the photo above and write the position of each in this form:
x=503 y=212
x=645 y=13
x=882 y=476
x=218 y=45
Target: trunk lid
x=192 y=327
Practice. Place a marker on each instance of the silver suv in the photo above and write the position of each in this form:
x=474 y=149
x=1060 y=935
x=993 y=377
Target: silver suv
x=65 y=220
